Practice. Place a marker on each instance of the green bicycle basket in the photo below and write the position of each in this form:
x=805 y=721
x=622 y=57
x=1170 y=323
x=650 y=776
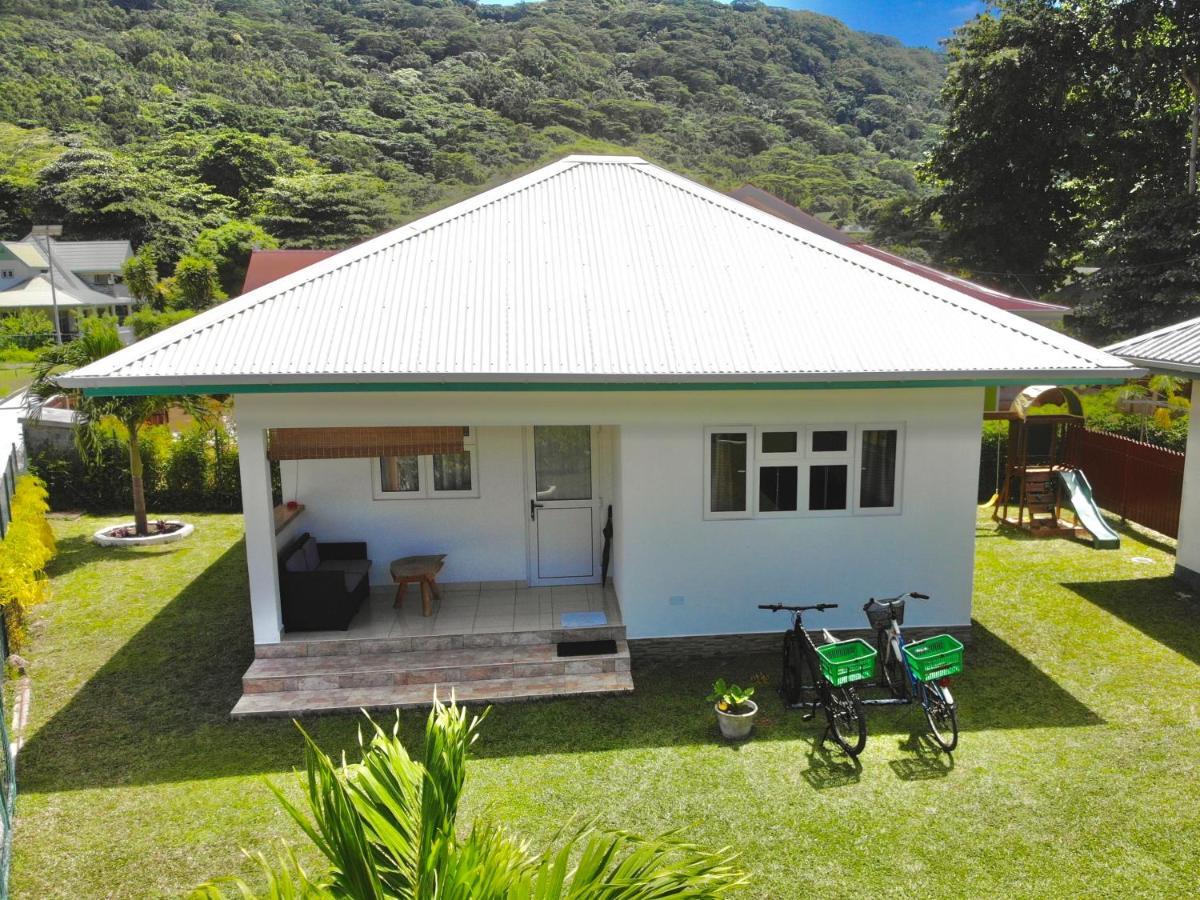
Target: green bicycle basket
x=847 y=661
x=937 y=657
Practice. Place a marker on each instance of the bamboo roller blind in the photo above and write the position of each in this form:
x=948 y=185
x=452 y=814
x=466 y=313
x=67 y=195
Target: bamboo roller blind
x=358 y=443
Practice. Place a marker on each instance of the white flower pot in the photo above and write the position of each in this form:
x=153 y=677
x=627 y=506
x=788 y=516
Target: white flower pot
x=737 y=726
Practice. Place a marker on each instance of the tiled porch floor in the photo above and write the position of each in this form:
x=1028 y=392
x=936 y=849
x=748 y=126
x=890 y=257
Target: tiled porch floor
x=471 y=609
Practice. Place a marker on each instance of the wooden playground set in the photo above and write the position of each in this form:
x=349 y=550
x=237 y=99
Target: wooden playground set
x=1041 y=484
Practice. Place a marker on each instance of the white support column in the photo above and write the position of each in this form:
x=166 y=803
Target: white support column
x=260 y=535
x=1187 y=555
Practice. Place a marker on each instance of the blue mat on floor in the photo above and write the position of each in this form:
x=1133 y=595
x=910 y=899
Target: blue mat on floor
x=583 y=619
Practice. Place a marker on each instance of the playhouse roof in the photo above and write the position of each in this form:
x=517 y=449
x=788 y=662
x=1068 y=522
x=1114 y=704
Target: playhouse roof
x=597 y=270
x=1175 y=348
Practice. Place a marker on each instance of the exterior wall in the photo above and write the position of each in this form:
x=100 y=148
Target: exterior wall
x=664 y=548
x=1187 y=554
x=484 y=536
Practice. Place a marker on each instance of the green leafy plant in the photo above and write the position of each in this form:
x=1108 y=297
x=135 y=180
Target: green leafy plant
x=25 y=551
x=388 y=828
x=730 y=697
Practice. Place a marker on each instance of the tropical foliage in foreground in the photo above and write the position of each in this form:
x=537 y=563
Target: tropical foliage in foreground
x=388 y=828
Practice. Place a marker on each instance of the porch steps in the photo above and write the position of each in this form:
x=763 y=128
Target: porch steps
x=332 y=682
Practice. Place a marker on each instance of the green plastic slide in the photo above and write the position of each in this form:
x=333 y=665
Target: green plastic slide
x=1079 y=495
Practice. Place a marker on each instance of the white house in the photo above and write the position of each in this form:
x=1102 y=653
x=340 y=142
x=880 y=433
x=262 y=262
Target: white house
x=770 y=416
x=87 y=277
x=1175 y=350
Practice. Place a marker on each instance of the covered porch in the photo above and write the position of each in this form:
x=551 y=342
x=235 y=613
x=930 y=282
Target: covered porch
x=524 y=606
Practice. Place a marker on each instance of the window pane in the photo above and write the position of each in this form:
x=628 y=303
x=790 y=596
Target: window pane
x=779 y=442
x=452 y=471
x=827 y=487
x=829 y=441
x=728 y=475
x=777 y=488
x=562 y=462
x=399 y=473
x=877 y=484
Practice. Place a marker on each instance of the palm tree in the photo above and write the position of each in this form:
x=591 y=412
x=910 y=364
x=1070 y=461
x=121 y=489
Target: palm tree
x=387 y=827
x=97 y=339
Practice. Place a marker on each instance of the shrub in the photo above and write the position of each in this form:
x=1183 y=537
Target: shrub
x=196 y=471
x=25 y=330
x=147 y=321
x=27 y=547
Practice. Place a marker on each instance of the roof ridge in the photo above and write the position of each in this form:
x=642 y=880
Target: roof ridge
x=1149 y=335
x=803 y=236
x=328 y=266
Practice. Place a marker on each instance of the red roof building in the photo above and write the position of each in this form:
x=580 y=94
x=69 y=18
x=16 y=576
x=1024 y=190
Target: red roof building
x=268 y=265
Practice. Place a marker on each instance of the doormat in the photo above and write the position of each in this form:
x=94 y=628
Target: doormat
x=586 y=648
x=583 y=619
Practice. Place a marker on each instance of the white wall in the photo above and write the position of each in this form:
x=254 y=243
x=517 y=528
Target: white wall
x=664 y=547
x=483 y=536
x=1187 y=555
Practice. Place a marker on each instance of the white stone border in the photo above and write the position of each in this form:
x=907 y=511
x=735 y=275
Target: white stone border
x=102 y=537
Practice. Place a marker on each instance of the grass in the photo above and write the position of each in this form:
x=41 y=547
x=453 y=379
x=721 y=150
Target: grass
x=14 y=376
x=1078 y=771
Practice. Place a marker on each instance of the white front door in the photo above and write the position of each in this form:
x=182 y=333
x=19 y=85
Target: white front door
x=564 y=504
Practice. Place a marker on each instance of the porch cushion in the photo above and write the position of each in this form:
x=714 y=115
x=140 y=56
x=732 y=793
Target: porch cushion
x=297 y=562
x=349 y=566
x=312 y=555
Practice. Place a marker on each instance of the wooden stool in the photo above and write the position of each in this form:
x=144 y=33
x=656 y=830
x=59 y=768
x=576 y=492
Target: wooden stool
x=422 y=570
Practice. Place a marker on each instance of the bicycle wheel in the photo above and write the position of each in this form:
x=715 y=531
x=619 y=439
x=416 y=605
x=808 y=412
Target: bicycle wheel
x=894 y=673
x=790 y=685
x=941 y=715
x=847 y=722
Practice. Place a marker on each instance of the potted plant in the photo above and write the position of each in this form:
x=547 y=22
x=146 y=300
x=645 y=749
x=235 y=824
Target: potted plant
x=735 y=709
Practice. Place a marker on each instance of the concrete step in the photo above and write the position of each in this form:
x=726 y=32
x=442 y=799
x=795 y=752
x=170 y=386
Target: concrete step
x=498 y=690
x=336 y=646
x=416 y=667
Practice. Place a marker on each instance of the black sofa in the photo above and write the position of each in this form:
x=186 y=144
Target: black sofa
x=322 y=585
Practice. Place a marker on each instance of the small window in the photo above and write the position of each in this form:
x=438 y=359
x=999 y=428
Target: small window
x=431 y=476
x=778 y=488
x=728 y=453
x=828 y=441
x=827 y=487
x=778 y=441
x=878 y=457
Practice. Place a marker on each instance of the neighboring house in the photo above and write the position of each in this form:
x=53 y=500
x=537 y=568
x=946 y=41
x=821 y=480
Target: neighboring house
x=770 y=415
x=1175 y=350
x=87 y=278
x=270 y=265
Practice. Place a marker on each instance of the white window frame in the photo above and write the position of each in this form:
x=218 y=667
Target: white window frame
x=829 y=458
x=426 y=490
x=804 y=458
x=795 y=459
x=751 y=472
x=897 y=506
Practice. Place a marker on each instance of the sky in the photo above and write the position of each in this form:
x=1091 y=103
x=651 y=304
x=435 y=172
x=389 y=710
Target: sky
x=918 y=23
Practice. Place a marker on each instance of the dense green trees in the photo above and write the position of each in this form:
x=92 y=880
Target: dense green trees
x=1068 y=141
x=323 y=123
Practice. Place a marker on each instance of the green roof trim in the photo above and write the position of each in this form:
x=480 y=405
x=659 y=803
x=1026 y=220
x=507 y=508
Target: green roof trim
x=341 y=387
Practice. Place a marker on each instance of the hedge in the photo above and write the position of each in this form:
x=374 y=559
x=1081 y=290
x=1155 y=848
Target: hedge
x=194 y=471
x=27 y=547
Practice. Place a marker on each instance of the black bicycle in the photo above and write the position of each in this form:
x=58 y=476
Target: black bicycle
x=803 y=683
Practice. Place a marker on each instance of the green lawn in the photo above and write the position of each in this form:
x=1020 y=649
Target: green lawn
x=13 y=377
x=1078 y=771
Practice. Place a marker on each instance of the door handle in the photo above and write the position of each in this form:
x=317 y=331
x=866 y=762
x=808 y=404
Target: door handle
x=534 y=506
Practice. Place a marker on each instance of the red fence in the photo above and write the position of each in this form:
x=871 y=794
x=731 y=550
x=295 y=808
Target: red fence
x=1137 y=481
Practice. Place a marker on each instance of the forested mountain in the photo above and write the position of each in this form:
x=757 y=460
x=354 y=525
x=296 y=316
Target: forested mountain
x=323 y=122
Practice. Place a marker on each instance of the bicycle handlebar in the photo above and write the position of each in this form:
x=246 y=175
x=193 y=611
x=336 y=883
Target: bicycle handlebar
x=893 y=600
x=776 y=607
